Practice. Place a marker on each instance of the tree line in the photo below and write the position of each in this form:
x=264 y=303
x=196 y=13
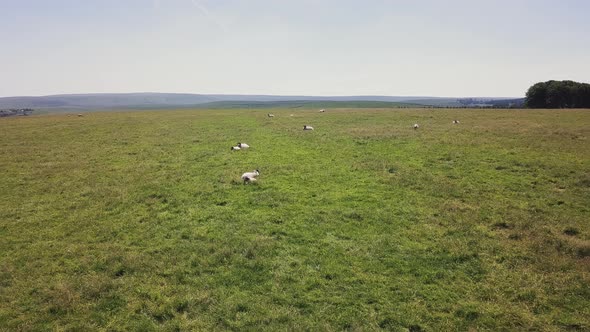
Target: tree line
x=558 y=94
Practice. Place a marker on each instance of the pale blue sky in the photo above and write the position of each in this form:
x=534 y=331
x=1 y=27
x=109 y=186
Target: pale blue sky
x=303 y=47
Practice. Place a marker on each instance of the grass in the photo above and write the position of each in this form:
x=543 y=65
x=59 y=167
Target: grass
x=139 y=221
x=307 y=104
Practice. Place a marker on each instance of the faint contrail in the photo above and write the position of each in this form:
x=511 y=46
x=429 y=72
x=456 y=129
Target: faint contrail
x=208 y=14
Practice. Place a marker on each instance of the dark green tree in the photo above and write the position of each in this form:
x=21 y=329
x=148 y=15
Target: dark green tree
x=536 y=96
x=558 y=94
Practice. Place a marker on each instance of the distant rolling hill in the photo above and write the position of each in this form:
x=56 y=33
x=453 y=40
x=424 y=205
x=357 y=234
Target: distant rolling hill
x=180 y=100
x=107 y=100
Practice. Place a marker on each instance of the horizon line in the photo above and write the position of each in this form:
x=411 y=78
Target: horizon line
x=250 y=94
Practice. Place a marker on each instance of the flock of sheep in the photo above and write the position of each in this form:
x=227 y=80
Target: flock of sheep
x=249 y=177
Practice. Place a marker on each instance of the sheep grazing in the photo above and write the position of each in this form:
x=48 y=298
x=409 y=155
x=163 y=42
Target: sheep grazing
x=250 y=176
x=243 y=145
x=322 y=110
x=80 y=115
x=235 y=148
x=416 y=126
x=270 y=115
x=306 y=127
x=456 y=122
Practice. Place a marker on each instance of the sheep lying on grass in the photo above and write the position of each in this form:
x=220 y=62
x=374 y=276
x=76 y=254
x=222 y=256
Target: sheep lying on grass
x=456 y=122
x=416 y=126
x=270 y=115
x=243 y=145
x=306 y=127
x=250 y=176
x=235 y=148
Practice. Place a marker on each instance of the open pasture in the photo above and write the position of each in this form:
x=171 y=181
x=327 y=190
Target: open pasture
x=139 y=220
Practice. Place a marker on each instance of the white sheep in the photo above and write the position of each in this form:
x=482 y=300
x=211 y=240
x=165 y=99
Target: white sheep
x=250 y=176
x=456 y=122
x=270 y=115
x=235 y=148
x=306 y=127
x=243 y=145
x=416 y=126
x=322 y=110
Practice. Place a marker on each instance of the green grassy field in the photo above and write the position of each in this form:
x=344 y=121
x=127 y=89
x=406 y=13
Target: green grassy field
x=139 y=221
x=307 y=104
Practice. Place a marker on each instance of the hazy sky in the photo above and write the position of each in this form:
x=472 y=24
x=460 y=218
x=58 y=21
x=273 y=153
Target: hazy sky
x=294 y=47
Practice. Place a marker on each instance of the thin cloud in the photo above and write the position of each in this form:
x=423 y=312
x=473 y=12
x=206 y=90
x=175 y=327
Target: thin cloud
x=209 y=15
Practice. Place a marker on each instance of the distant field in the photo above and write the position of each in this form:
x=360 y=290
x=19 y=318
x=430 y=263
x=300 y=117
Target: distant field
x=226 y=105
x=139 y=221
x=307 y=104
